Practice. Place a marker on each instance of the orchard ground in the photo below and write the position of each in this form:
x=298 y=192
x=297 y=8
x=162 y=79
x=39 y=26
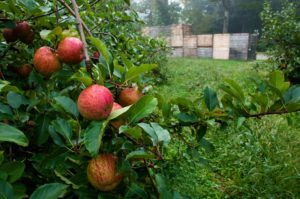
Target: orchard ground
x=258 y=160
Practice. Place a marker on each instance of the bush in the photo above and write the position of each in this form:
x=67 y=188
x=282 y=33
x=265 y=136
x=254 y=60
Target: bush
x=281 y=34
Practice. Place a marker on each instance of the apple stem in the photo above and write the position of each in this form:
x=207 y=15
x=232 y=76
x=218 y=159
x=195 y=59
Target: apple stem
x=82 y=36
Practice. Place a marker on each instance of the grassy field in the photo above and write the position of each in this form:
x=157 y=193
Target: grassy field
x=262 y=161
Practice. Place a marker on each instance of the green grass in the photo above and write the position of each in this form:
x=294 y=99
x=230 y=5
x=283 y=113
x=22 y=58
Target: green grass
x=262 y=161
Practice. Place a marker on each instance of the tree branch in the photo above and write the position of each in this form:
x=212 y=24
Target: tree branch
x=259 y=115
x=82 y=36
x=74 y=14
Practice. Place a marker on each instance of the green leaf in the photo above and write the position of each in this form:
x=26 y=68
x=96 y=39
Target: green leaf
x=276 y=79
x=119 y=70
x=136 y=71
x=136 y=191
x=162 y=134
x=6 y=191
x=50 y=191
x=4 y=109
x=66 y=180
x=29 y=4
x=140 y=154
x=1 y=157
x=291 y=107
x=292 y=95
x=45 y=34
x=83 y=77
x=3 y=84
x=145 y=106
x=93 y=136
x=210 y=98
x=150 y=131
x=187 y=119
x=100 y=45
x=42 y=133
x=201 y=131
x=14 y=170
x=116 y=113
x=11 y=134
x=134 y=132
x=67 y=104
x=237 y=89
x=55 y=137
x=15 y=100
x=128 y=2
x=51 y=34
x=7 y=24
x=206 y=145
x=162 y=187
x=63 y=128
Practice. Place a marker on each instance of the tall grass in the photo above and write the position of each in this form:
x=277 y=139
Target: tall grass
x=261 y=160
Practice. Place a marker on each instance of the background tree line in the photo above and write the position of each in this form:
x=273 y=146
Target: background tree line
x=207 y=16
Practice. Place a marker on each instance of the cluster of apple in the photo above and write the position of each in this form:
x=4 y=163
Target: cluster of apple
x=47 y=60
x=95 y=102
x=22 y=31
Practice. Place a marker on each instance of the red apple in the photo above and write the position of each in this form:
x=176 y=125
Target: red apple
x=96 y=56
x=28 y=38
x=102 y=172
x=46 y=61
x=22 y=29
x=9 y=35
x=116 y=124
x=95 y=102
x=70 y=50
x=129 y=96
x=24 y=70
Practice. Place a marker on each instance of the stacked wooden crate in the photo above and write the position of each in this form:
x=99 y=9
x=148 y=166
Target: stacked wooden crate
x=205 y=46
x=218 y=46
x=179 y=32
x=239 y=45
x=190 y=46
x=221 y=46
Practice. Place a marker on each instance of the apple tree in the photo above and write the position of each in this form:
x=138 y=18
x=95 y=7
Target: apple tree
x=75 y=118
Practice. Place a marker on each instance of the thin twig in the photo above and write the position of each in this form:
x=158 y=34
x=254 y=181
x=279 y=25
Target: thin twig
x=95 y=2
x=259 y=115
x=109 y=34
x=56 y=12
x=74 y=14
x=1 y=75
x=151 y=178
x=82 y=36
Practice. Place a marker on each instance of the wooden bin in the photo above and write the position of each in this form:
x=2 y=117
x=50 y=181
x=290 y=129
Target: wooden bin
x=204 y=40
x=205 y=52
x=190 y=41
x=239 y=44
x=177 y=52
x=190 y=52
x=176 y=41
x=221 y=46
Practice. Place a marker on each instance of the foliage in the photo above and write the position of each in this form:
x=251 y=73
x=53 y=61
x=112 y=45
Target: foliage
x=257 y=159
x=281 y=33
x=158 y=12
x=46 y=144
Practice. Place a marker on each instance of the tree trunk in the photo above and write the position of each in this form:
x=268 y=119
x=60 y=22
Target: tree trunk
x=226 y=5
